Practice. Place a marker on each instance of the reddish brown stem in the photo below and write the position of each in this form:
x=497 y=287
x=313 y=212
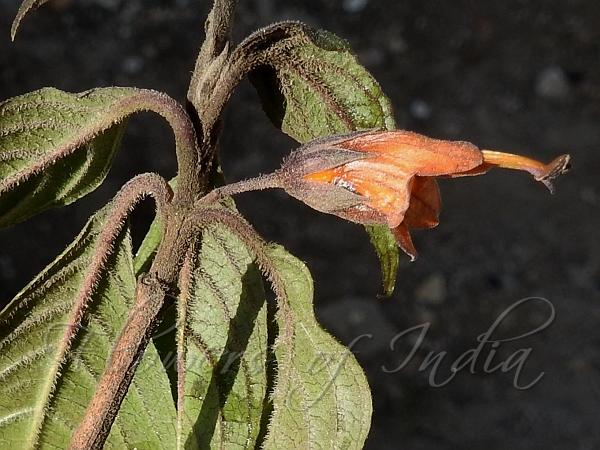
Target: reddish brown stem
x=270 y=181
x=150 y=296
x=126 y=356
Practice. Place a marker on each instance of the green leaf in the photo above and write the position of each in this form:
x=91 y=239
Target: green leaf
x=318 y=88
x=228 y=393
x=56 y=147
x=389 y=256
x=250 y=376
x=385 y=246
x=311 y=85
x=222 y=346
x=51 y=152
x=221 y=341
x=322 y=398
x=49 y=370
x=145 y=254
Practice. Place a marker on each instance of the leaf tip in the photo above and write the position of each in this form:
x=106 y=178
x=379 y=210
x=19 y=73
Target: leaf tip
x=26 y=6
x=14 y=28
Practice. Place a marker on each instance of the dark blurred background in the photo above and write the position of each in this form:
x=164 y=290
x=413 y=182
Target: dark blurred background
x=517 y=75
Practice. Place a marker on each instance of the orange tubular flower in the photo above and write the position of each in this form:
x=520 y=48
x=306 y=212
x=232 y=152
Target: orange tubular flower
x=388 y=177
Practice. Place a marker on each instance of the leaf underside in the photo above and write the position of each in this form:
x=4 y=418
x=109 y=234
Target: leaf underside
x=315 y=88
x=321 y=397
x=252 y=375
x=44 y=390
x=237 y=393
x=55 y=147
x=222 y=343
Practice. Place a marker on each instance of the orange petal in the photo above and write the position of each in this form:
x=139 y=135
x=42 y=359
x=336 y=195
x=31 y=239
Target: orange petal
x=418 y=154
x=425 y=204
x=383 y=186
x=404 y=240
x=482 y=169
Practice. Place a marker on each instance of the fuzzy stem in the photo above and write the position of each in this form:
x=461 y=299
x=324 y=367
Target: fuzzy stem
x=124 y=359
x=151 y=291
x=186 y=145
x=269 y=181
x=209 y=90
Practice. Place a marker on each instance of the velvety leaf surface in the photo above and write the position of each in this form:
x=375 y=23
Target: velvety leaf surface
x=55 y=147
x=314 y=86
x=222 y=345
x=321 y=398
x=233 y=391
x=44 y=389
x=319 y=88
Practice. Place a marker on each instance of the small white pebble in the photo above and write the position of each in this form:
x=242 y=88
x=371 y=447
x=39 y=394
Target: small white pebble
x=432 y=290
x=132 y=64
x=420 y=109
x=354 y=6
x=552 y=83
